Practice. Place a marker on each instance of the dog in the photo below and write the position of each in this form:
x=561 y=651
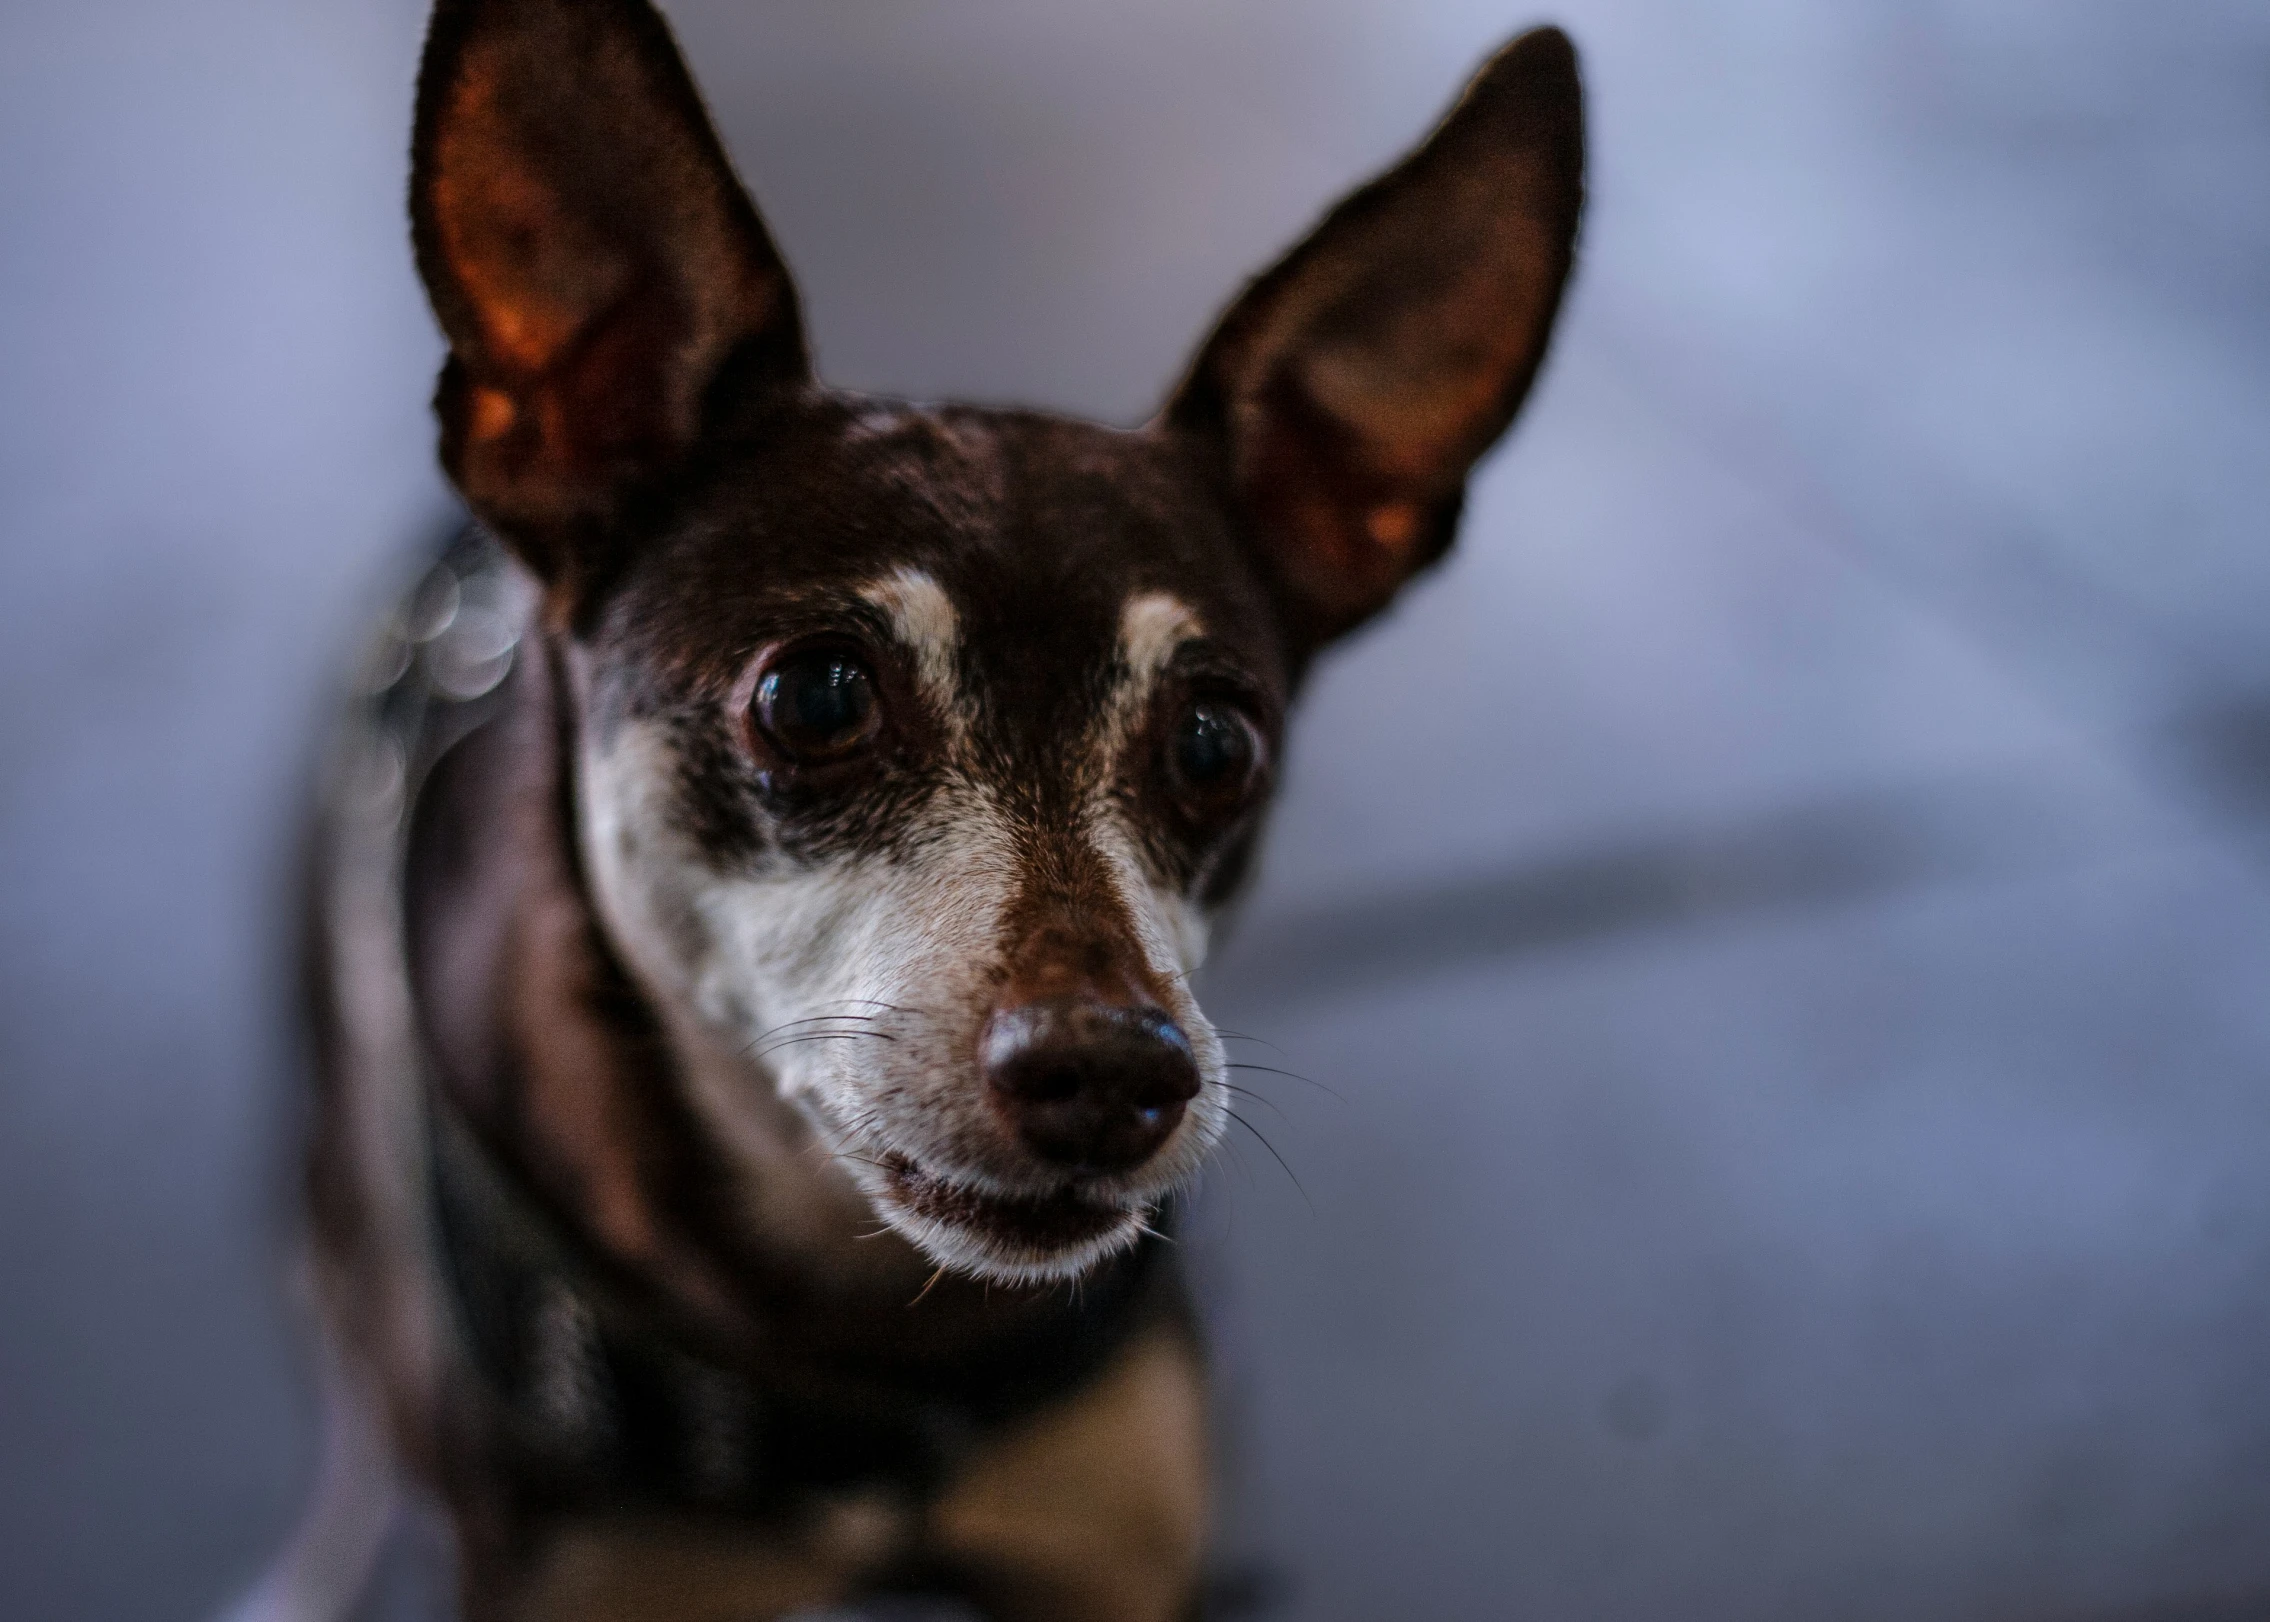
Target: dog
x=760 y=878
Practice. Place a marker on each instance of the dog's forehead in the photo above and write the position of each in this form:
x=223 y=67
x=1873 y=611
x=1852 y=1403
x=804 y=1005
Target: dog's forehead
x=1035 y=552
x=1040 y=531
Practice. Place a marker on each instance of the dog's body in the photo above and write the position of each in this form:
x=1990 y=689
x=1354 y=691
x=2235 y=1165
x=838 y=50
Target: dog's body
x=755 y=1036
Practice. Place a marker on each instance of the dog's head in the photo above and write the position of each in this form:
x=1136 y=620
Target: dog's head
x=915 y=746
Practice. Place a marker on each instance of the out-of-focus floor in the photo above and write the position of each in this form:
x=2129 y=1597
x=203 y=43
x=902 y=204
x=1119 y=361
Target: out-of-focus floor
x=1778 y=930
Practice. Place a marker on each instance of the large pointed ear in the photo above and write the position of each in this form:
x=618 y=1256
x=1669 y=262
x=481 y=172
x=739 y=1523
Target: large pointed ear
x=595 y=263
x=1353 y=385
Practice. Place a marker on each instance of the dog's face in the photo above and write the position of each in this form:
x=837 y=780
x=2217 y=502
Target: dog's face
x=914 y=748
x=925 y=814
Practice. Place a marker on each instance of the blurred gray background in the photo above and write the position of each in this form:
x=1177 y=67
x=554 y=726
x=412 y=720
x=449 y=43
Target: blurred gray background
x=1779 y=926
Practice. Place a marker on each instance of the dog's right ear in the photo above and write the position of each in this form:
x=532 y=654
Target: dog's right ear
x=593 y=260
x=1351 y=387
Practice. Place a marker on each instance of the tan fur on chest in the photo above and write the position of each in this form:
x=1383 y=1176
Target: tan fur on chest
x=1090 y=1511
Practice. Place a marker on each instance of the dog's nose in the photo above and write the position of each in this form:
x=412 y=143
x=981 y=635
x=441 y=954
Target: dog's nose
x=1088 y=1084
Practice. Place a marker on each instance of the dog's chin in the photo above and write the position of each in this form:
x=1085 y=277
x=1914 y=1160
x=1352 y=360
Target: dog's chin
x=1002 y=1238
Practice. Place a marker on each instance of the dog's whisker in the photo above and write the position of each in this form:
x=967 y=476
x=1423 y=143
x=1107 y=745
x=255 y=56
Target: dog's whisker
x=1228 y=1035
x=1272 y=1070
x=846 y=1158
x=823 y=1149
x=867 y=1002
x=765 y=1042
x=1245 y=1167
x=1280 y=1159
x=822 y=1019
x=830 y=1021
x=821 y=1036
x=1265 y=1102
x=818 y=1019
x=857 y=1126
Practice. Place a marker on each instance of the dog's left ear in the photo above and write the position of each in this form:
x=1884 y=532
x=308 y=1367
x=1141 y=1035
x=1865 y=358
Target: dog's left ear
x=594 y=261
x=1352 y=386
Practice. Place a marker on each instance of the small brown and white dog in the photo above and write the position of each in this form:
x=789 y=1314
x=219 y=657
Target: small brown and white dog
x=755 y=1035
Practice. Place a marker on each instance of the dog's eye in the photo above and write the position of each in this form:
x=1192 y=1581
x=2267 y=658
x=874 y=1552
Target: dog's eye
x=818 y=705
x=1214 y=753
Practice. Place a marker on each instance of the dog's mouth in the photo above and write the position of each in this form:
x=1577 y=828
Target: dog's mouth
x=1025 y=1236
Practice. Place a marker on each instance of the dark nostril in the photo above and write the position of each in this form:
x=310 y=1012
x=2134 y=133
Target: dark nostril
x=1086 y=1083
x=1043 y=1083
